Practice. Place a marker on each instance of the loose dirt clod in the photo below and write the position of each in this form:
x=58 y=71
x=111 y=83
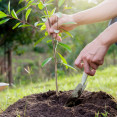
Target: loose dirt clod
x=50 y=105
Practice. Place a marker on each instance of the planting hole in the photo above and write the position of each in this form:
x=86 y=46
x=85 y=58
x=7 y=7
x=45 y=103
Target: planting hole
x=73 y=102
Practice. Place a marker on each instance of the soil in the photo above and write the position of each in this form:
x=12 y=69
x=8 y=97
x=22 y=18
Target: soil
x=50 y=105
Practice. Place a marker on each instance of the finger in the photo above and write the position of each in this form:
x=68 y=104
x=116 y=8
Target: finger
x=98 y=62
x=50 y=22
x=56 y=26
x=53 y=19
x=78 y=62
x=58 y=38
x=93 y=65
x=54 y=35
x=47 y=27
x=87 y=68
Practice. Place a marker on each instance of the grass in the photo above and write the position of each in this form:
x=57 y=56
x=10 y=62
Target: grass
x=104 y=80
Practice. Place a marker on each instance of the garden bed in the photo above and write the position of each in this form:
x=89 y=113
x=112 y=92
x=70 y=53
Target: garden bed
x=50 y=105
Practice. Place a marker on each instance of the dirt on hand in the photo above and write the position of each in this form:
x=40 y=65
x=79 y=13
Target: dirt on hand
x=50 y=105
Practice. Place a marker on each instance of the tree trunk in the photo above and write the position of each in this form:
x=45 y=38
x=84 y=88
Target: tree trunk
x=5 y=62
x=5 y=57
x=10 y=78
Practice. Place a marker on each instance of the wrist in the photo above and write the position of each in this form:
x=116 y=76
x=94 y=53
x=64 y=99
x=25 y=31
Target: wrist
x=78 y=18
x=109 y=36
x=103 y=41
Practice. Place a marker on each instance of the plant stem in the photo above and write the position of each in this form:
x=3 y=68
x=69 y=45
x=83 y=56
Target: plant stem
x=57 y=8
x=54 y=51
x=55 y=61
x=23 y=22
x=33 y=6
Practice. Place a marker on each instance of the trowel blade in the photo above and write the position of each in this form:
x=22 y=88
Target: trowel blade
x=77 y=91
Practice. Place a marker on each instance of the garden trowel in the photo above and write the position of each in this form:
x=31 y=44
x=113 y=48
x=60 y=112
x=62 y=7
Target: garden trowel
x=77 y=91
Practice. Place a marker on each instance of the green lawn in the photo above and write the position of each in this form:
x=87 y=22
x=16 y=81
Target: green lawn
x=105 y=80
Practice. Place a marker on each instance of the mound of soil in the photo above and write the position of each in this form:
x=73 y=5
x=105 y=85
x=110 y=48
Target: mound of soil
x=50 y=105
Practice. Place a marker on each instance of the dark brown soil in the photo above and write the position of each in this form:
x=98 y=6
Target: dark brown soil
x=49 y=105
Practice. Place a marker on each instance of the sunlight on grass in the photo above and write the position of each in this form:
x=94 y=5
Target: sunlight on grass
x=104 y=80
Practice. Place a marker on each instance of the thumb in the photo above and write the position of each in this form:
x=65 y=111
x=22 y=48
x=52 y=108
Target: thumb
x=55 y=26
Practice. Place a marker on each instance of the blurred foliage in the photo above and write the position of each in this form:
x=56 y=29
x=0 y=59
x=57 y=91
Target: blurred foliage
x=17 y=38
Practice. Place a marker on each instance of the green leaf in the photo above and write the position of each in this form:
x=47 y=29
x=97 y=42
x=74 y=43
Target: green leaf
x=45 y=13
x=56 y=31
x=61 y=2
x=22 y=9
x=43 y=27
x=48 y=41
x=24 y=25
x=46 y=61
x=28 y=13
x=68 y=33
x=50 y=1
x=14 y=15
x=36 y=23
x=63 y=59
x=34 y=4
x=4 y=21
x=66 y=7
x=44 y=19
x=16 y=26
x=46 y=33
x=20 y=1
x=46 y=4
x=40 y=24
x=53 y=11
x=9 y=7
x=37 y=42
x=69 y=66
x=59 y=14
x=66 y=47
x=40 y=5
x=30 y=2
x=70 y=23
x=2 y=14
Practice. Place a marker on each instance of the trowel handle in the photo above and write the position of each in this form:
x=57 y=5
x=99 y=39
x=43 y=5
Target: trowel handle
x=84 y=78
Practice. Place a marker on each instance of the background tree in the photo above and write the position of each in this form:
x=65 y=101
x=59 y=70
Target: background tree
x=11 y=39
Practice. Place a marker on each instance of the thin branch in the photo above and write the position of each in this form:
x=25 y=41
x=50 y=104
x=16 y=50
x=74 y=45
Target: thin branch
x=23 y=22
x=33 y=6
x=54 y=50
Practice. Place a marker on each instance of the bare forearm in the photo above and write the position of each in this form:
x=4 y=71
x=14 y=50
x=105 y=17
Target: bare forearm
x=104 y=11
x=109 y=36
x=93 y=54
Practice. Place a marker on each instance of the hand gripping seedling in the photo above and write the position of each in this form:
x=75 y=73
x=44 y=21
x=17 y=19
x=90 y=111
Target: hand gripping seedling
x=77 y=91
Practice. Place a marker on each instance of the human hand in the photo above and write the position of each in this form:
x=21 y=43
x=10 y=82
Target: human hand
x=60 y=24
x=92 y=57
